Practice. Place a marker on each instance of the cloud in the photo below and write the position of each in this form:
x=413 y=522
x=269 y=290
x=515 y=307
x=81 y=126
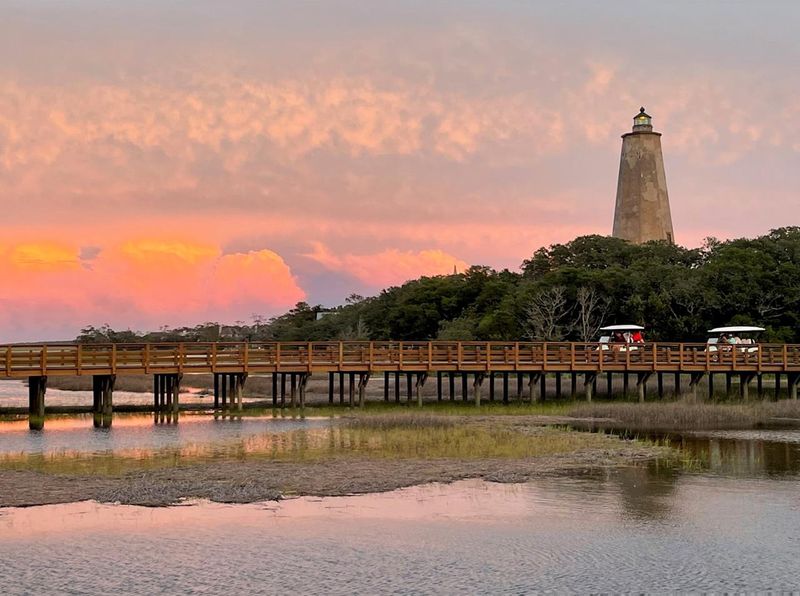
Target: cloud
x=138 y=283
x=388 y=267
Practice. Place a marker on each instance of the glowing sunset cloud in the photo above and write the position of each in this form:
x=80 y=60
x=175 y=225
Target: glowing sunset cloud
x=160 y=166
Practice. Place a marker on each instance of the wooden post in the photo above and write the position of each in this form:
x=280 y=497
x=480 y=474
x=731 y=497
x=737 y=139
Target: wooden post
x=37 y=386
x=641 y=385
x=491 y=386
x=794 y=379
x=216 y=391
x=386 y=386
x=744 y=385
x=409 y=386
x=574 y=384
x=464 y=383
x=438 y=385
x=533 y=381
x=778 y=386
x=330 y=388
x=293 y=390
x=275 y=390
x=519 y=375
x=341 y=387
x=609 y=384
x=476 y=387
x=301 y=388
x=677 y=384
x=223 y=383
x=711 y=385
x=397 y=387
x=660 y=386
x=283 y=389
x=760 y=384
x=108 y=399
x=352 y=389
x=240 y=381
x=505 y=388
x=363 y=378
x=97 y=400
x=421 y=378
x=588 y=385
x=451 y=386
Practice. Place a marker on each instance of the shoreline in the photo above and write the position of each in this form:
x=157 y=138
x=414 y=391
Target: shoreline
x=543 y=451
x=250 y=482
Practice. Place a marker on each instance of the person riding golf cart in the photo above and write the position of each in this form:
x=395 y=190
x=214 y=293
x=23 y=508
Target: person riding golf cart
x=621 y=337
x=741 y=338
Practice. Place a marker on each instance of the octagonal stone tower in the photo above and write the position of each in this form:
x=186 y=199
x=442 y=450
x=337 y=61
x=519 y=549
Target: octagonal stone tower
x=642 y=209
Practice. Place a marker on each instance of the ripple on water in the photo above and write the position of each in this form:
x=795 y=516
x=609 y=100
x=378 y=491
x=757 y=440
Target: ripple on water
x=472 y=536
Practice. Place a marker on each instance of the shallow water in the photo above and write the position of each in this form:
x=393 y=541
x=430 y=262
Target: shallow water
x=631 y=530
x=14 y=394
x=138 y=432
x=730 y=523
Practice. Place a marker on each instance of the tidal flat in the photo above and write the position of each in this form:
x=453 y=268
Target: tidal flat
x=337 y=456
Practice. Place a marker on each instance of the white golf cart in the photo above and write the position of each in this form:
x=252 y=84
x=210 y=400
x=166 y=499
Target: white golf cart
x=728 y=339
x=622 y=338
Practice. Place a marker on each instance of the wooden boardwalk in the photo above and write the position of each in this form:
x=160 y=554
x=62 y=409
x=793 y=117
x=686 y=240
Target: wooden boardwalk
x=356 y=361
x=24 y=360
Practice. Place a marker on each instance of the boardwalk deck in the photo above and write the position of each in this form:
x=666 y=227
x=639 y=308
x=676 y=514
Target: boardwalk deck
x=354 y=362
x=25 y=360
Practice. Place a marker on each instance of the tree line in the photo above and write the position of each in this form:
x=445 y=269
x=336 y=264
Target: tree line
x=562 y=292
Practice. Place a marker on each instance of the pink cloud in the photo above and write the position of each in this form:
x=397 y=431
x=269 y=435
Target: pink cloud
x=388 y=267
x=139 y=283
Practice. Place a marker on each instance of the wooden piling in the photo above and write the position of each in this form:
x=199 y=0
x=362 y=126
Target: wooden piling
x=421 y=378
x=330 y=387
x=293 y=390
x=451 y=386
x=588 y=385
x=386 y=386
x=352 y=389
x=491 y=386
x=641 y=385
x=397 y=387
x=439 y=385
x=464 y=385
x=505 y=388
x=476 y=387
x=301 y=388
x=363 y=379
x=37 y=386
x=275 y=390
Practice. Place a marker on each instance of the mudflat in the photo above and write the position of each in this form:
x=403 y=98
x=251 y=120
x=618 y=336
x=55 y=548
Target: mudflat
x=373 y=455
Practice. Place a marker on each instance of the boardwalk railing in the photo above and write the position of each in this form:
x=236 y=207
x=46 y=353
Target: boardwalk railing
x=23 y=360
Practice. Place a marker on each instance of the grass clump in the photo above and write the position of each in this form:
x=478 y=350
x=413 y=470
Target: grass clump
x=691 y=416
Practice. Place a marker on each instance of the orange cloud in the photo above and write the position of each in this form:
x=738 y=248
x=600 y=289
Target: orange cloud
x=139 y=283
x=388 y=267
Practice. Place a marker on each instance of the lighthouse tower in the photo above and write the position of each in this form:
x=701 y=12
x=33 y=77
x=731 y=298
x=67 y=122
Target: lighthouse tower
x=642 y=210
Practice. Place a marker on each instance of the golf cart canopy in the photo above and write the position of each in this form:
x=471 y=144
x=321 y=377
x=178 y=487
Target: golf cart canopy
x=622 y=328
x=736 y=329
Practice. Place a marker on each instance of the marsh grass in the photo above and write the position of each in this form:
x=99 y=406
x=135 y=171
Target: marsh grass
x=683 y=415
x=397 y=436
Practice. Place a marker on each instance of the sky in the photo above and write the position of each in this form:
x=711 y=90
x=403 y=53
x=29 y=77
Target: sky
x=175 y=162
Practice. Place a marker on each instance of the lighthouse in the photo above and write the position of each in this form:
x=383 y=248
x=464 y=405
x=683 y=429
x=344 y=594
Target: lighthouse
x=642 y=210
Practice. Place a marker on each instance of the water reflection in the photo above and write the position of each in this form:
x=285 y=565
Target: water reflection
x=587 y=534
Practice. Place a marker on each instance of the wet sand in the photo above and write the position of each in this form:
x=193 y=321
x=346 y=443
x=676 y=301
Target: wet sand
x=263 y=480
